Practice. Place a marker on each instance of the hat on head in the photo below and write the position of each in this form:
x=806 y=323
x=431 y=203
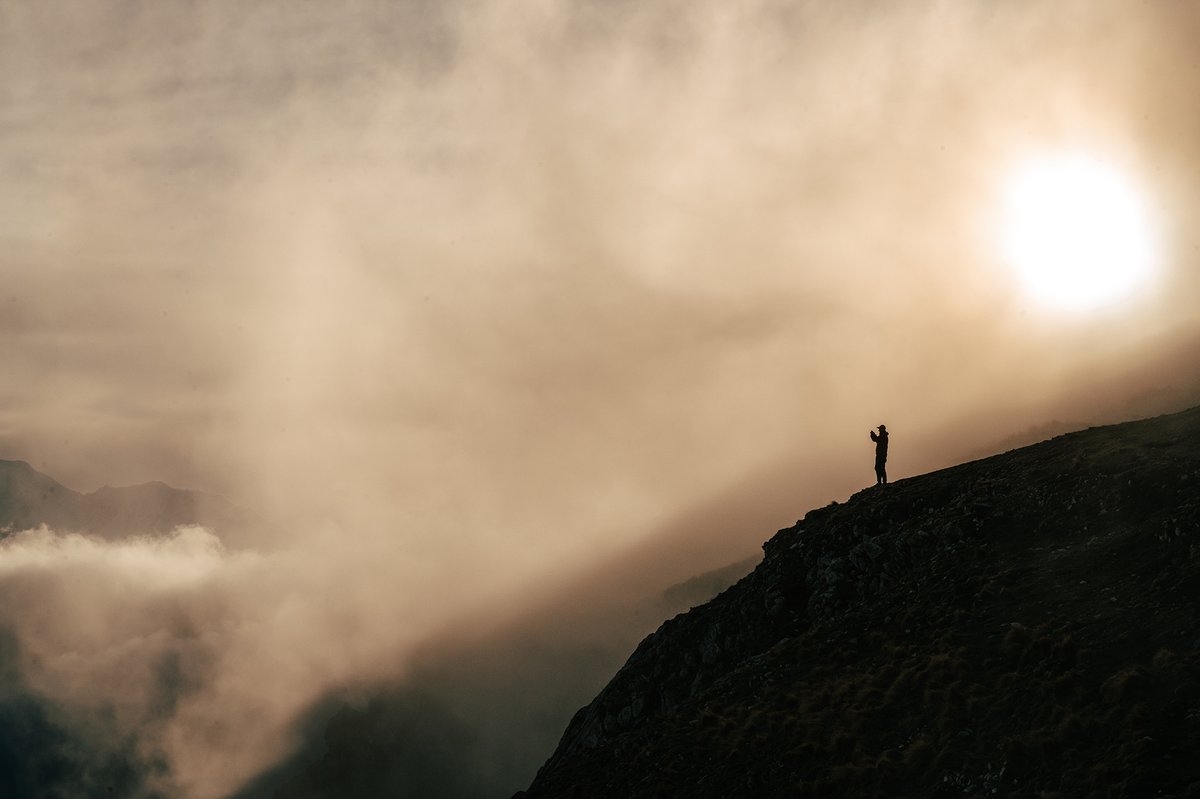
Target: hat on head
x=883 y=427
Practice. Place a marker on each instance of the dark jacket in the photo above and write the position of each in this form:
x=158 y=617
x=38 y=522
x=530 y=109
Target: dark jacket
x=881 y=442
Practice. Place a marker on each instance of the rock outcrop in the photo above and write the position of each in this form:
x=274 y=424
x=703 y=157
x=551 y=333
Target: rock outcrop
x=1021 y=625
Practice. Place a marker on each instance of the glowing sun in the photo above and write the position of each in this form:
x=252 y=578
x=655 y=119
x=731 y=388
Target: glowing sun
x=1077 y=233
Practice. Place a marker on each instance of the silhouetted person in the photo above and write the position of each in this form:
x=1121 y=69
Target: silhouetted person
x=880 y=439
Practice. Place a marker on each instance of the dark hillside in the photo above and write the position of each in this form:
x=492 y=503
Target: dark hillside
x=1022 y=625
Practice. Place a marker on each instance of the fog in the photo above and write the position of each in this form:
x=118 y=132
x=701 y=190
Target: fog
x=466 y=298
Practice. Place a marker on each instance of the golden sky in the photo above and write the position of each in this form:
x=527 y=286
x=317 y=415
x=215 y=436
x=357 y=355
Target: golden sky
x=559 y=270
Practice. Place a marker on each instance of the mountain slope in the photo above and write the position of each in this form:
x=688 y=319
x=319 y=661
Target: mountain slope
x=1020 y=625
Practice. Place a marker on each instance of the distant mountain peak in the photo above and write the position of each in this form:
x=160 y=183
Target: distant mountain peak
x=29 y=499
x=22 y=468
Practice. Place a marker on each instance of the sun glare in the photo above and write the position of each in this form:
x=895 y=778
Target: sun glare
x=1077 y=233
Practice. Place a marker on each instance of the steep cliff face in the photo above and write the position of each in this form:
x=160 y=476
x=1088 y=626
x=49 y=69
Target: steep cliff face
x=1021 y=625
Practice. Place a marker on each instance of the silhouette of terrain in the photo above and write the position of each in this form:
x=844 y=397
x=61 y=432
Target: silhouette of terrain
x=1021 y=625
x=29 y=499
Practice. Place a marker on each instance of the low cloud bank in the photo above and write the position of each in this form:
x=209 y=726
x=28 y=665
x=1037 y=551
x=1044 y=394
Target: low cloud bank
x=172 y=666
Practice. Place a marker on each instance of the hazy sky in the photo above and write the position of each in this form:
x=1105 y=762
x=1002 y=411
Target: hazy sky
x=514 y=283
x=570 y=254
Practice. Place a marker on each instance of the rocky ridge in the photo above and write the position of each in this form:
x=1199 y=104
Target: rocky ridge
x=1020 y=625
